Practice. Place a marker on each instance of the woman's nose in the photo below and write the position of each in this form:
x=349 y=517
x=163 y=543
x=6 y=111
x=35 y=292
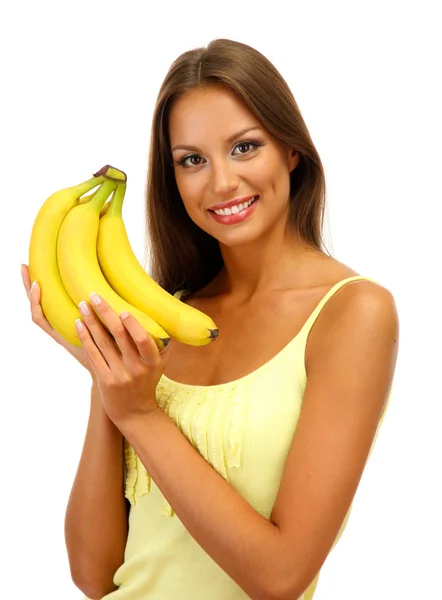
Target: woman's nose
x=224 y=178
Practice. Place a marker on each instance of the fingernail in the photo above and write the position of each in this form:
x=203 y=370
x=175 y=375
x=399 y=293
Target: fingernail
x=84 y=308
x=79 y=324
x=124 y=315
x=95 y=298
x=34 y=283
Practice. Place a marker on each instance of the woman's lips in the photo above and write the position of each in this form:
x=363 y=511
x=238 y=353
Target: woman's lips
x=231 y=219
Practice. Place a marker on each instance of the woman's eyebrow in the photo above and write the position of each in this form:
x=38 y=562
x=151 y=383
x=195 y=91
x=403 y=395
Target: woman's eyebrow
x=229 y=140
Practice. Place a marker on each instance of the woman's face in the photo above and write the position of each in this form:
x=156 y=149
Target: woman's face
x=222 y=153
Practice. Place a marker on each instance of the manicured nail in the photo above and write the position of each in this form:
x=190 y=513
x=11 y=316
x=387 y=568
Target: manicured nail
x=33 y=286
x=124 y=315
x=95 y=298
x=84 y=308
x=79 y=324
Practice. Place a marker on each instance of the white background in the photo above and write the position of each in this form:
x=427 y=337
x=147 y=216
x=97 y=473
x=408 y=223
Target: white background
x=79 y=82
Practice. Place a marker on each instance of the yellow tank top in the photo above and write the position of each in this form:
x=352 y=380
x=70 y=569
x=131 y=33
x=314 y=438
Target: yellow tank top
x=246 y=438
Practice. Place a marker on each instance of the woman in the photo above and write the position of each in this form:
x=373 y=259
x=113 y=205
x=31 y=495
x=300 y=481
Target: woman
x=241 y=458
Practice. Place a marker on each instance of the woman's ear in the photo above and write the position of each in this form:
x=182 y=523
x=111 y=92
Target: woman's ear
x=293 y=159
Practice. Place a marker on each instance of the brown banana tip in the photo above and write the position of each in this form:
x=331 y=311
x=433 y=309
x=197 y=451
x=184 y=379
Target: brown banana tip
x=103 y=172
x=165 y=341
x=213 y=334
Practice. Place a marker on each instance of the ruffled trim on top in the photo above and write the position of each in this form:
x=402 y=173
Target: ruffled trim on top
x=131 y=472
x=138 y=480
x=212 y=419
x=236 y=434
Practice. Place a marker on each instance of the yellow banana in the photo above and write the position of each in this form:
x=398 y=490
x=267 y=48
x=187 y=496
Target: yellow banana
x=127 y=277
x=56 y=303
x=89 y=197
x=105 y=208
x=78 y=264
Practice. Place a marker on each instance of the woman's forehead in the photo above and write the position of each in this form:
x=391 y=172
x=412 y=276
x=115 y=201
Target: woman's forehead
x=208 y=112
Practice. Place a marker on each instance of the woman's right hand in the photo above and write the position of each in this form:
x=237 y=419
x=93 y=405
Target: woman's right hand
x=40 y=320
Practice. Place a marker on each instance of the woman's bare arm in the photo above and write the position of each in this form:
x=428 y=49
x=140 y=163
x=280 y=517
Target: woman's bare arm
x=96 y=515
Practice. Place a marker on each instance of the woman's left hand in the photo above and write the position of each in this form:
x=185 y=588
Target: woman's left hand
x=127 y=374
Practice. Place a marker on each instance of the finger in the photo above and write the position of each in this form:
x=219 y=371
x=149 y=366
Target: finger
x=101 y=338
x=37 y=313
x=147 y=348
x=128 y=350
x=26 y=278
x=92 y=352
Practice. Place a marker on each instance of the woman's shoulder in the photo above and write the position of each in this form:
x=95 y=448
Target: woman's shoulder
x=336 y=271
x=362 y=290
x=362 y=298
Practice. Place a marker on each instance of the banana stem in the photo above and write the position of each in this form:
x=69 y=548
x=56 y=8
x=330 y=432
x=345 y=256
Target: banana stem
x=116 y=204
x=101 y=195
x=84 y=187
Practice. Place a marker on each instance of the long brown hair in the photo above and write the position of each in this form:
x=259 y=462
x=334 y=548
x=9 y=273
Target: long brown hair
x=183 y=256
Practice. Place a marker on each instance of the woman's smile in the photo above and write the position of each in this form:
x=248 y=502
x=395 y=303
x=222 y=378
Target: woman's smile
x=235 y=214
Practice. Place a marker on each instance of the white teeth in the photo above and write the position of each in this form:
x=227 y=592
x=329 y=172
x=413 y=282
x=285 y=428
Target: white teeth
x=235 y=209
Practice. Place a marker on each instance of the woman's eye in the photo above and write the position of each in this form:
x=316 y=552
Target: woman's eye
x=193 y=157
x=183 y=161
x=245 y=146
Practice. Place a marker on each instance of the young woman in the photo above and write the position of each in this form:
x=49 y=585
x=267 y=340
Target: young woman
x=227 y=471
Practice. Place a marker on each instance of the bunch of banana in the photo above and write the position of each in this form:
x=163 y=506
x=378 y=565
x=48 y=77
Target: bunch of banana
x=79 y=245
